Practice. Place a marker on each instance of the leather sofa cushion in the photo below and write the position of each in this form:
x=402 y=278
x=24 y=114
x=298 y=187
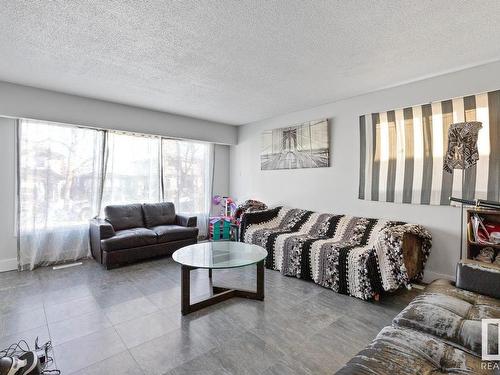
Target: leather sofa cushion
x=398 y=350
x=124 y=216
x=159 y=214
x=129 y=238
x=451 y=318
x=168 y=233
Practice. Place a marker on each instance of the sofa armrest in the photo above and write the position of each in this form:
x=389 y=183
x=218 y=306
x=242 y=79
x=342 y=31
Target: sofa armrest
x=100 y=229
x=186 y=221
x=256 y=217
x=478 y=277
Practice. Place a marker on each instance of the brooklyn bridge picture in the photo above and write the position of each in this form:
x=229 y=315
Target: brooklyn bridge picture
x=300 y=146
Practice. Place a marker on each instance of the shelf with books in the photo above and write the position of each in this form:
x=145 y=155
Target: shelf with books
x=480 y=224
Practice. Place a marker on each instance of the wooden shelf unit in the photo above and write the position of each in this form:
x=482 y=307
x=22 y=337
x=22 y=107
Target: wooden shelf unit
x=490 y=215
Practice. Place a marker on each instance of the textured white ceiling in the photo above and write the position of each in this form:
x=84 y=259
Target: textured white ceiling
x=239 y=61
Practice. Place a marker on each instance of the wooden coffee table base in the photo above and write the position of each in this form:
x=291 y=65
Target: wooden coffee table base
x=219 y=294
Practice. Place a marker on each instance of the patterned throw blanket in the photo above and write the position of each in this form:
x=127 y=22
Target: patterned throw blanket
x=351 y=255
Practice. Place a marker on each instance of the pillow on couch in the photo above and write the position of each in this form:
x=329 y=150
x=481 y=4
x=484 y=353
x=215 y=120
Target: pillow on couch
x=158 y=214
x=124 y=216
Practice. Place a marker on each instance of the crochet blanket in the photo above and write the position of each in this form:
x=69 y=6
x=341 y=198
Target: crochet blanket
x=351 y=255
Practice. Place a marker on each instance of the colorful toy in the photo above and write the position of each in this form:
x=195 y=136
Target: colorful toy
x=227 y=205
x=220 y=226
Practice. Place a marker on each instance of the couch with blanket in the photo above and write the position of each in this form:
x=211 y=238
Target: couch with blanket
x=440 y=331
x=358 y=256
x=133 y=232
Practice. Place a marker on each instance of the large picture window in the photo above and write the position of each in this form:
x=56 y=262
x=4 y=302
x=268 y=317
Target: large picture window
x=59 y=185
x=132 y=169
x=68 y=174
x=187 y=177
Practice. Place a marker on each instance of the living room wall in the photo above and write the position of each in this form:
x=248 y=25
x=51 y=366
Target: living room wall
x=28 y=102
x=8 y=240
x=335 y=189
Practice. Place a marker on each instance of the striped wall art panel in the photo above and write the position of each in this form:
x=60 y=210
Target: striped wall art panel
x=402 y=152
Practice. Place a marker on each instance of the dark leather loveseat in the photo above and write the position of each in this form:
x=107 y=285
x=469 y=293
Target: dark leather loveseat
x=138 y=231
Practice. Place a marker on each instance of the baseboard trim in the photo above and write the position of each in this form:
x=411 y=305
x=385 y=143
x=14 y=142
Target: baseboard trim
x=430 y=276
x=8 y=264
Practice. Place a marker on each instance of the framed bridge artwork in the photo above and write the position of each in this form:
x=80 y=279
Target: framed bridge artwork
x=304 y=145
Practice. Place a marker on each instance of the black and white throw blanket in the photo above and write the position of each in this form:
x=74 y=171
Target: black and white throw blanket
x=351 y=255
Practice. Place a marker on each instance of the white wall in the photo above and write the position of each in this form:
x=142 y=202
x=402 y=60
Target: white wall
x=221 y=173
x=335 y=189
x=28 y=102
x=8 y=241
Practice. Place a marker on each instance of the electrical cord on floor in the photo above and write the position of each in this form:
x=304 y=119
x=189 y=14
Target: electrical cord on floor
x=15 y=350
x=48 y=359
x=21 y=347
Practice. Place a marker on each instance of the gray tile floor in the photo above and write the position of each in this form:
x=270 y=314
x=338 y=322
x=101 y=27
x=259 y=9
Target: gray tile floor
x=128 y=321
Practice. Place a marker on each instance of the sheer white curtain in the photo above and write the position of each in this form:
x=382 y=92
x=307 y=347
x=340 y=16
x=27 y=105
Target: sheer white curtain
x=132 y=169
x=59 y=189
x=187 y=178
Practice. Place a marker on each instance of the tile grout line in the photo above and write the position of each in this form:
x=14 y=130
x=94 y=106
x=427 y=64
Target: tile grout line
x=280 y=307
x=117 y=333
x=87 y=334
x=104 y=359
x=129 y=352
x=83 y=336
x=123 y=341
x=50 y=335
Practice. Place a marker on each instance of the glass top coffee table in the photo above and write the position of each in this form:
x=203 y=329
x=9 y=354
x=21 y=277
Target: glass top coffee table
x=219 y=255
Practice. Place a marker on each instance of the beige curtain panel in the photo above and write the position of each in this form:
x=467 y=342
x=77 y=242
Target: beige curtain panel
x=402 y=152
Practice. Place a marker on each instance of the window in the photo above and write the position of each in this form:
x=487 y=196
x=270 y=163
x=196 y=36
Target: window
x=59 y=185
x=132 y=169
x=68 y=174
x=185 y=174
x=187 y=178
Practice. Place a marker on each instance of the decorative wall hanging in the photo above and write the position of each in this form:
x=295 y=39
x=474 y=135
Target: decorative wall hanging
x=403 y=152
x=304 y=145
